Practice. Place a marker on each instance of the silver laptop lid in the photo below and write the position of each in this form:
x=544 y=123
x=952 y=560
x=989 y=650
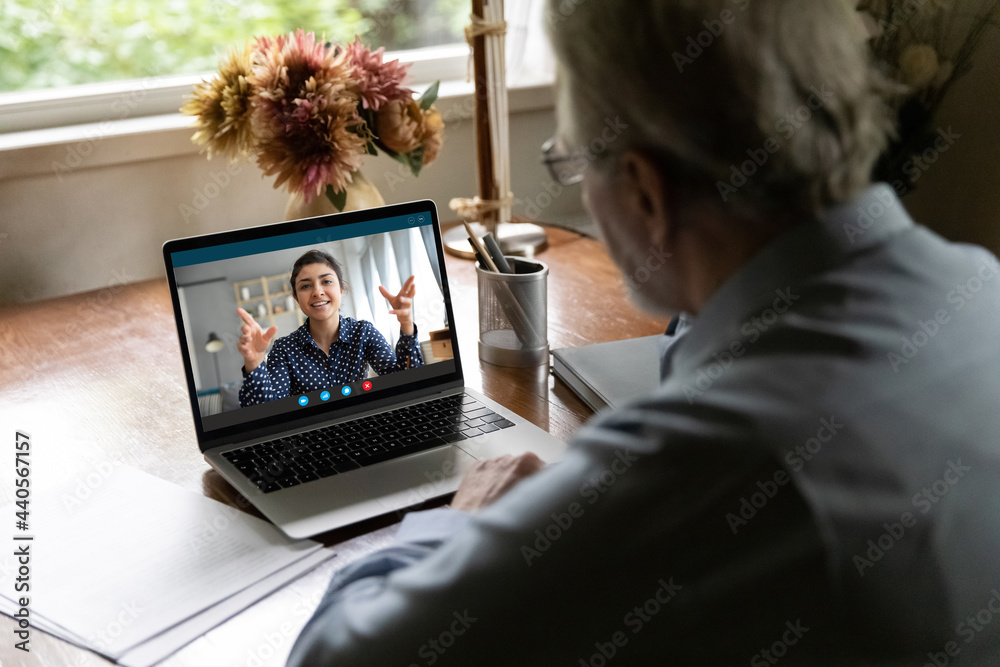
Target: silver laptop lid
x=211 y=276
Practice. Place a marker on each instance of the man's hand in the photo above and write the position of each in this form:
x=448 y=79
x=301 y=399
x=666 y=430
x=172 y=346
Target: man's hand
x=402 y=304
x=253 y=341
x=488 y=480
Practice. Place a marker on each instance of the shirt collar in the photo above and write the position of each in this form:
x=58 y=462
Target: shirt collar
x=807 y=248
x=344 y=335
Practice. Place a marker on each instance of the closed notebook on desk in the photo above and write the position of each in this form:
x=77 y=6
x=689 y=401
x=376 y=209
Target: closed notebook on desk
x=608 y=374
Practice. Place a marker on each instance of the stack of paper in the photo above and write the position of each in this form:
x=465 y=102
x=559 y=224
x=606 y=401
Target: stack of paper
x=140 y=567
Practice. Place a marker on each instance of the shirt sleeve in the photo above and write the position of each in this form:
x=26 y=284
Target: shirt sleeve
x=383 y=359
x=431 y=526
x=408 y=350
x=419 y=535
x=268 y=382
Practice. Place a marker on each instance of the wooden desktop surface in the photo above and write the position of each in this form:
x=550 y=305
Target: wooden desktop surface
x=96 y=380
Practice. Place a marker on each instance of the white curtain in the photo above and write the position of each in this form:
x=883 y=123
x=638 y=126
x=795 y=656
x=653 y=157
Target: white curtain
x=389 y=259
x=528 y=55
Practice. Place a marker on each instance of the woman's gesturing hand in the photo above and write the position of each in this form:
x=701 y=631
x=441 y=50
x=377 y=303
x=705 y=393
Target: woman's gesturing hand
x=402 y=305
x=253 y=341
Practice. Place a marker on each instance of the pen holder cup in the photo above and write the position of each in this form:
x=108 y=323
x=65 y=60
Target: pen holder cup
x=513 y=314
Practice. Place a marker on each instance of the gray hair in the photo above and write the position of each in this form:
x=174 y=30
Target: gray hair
x=764 y=107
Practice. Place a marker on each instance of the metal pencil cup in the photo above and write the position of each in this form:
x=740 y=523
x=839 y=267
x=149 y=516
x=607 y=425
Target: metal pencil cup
x=513 y=314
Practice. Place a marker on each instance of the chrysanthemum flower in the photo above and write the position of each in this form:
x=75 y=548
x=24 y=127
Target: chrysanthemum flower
x=398 y=125
x=432 y=132
x=222 y=106
x=305 y=114
x=378 y=82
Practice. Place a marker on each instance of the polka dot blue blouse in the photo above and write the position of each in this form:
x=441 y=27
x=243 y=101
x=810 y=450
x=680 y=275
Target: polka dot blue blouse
x=296 y=365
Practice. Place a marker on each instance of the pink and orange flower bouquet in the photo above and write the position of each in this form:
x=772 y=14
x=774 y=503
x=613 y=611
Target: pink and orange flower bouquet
x=309 y=111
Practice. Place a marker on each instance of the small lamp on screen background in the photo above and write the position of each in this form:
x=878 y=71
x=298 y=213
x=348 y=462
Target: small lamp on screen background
x=214 y=345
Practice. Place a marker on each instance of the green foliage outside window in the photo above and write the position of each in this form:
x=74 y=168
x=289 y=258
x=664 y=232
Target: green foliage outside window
x=45 y=44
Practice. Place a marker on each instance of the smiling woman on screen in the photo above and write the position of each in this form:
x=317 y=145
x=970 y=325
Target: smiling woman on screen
x=330 y=348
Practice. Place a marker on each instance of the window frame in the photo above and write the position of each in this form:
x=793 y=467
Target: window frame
x=31 y=110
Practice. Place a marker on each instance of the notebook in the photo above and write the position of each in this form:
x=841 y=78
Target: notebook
x=609 y=374
x=327 y=446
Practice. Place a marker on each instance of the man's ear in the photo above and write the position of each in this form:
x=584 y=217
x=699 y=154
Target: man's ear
x=647 y=195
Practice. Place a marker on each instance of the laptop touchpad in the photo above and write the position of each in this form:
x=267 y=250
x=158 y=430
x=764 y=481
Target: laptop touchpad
x=378 y=489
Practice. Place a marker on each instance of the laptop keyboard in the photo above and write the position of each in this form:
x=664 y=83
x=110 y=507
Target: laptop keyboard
x=305 y=457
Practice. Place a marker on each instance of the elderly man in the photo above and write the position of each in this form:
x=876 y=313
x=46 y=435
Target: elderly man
x=817 y=478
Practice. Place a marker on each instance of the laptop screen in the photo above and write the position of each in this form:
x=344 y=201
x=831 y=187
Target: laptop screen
x=328 y=344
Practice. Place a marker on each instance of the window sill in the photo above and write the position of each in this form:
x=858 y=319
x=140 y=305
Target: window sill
x=62 y=150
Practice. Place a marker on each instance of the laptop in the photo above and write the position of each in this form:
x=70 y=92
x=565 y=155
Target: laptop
x=322 y=456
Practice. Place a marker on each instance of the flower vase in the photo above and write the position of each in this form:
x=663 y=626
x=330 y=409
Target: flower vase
x=361 y=194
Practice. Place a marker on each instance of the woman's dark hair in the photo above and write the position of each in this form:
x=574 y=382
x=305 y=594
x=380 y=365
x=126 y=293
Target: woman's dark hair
x=317 y=257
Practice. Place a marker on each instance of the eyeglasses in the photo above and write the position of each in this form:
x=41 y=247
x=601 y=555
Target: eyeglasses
x=565 y=168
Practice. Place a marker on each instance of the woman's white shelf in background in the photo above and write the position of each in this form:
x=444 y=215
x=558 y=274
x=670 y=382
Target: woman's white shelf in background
x=273 y=294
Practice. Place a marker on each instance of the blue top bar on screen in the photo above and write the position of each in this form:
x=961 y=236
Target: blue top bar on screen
x=298 y=239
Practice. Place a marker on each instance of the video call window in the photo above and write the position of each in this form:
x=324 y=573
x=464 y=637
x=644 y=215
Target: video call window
x=374 y=354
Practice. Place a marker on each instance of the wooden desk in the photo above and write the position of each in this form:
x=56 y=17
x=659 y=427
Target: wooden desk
x=96 y=380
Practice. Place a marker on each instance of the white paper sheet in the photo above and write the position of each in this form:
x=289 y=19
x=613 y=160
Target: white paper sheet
x=158 y=648
x=139 y=555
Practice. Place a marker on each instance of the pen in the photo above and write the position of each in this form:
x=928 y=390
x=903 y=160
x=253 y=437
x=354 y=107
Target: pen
x=479 y=258
x=477 y=245
x=493 y=247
